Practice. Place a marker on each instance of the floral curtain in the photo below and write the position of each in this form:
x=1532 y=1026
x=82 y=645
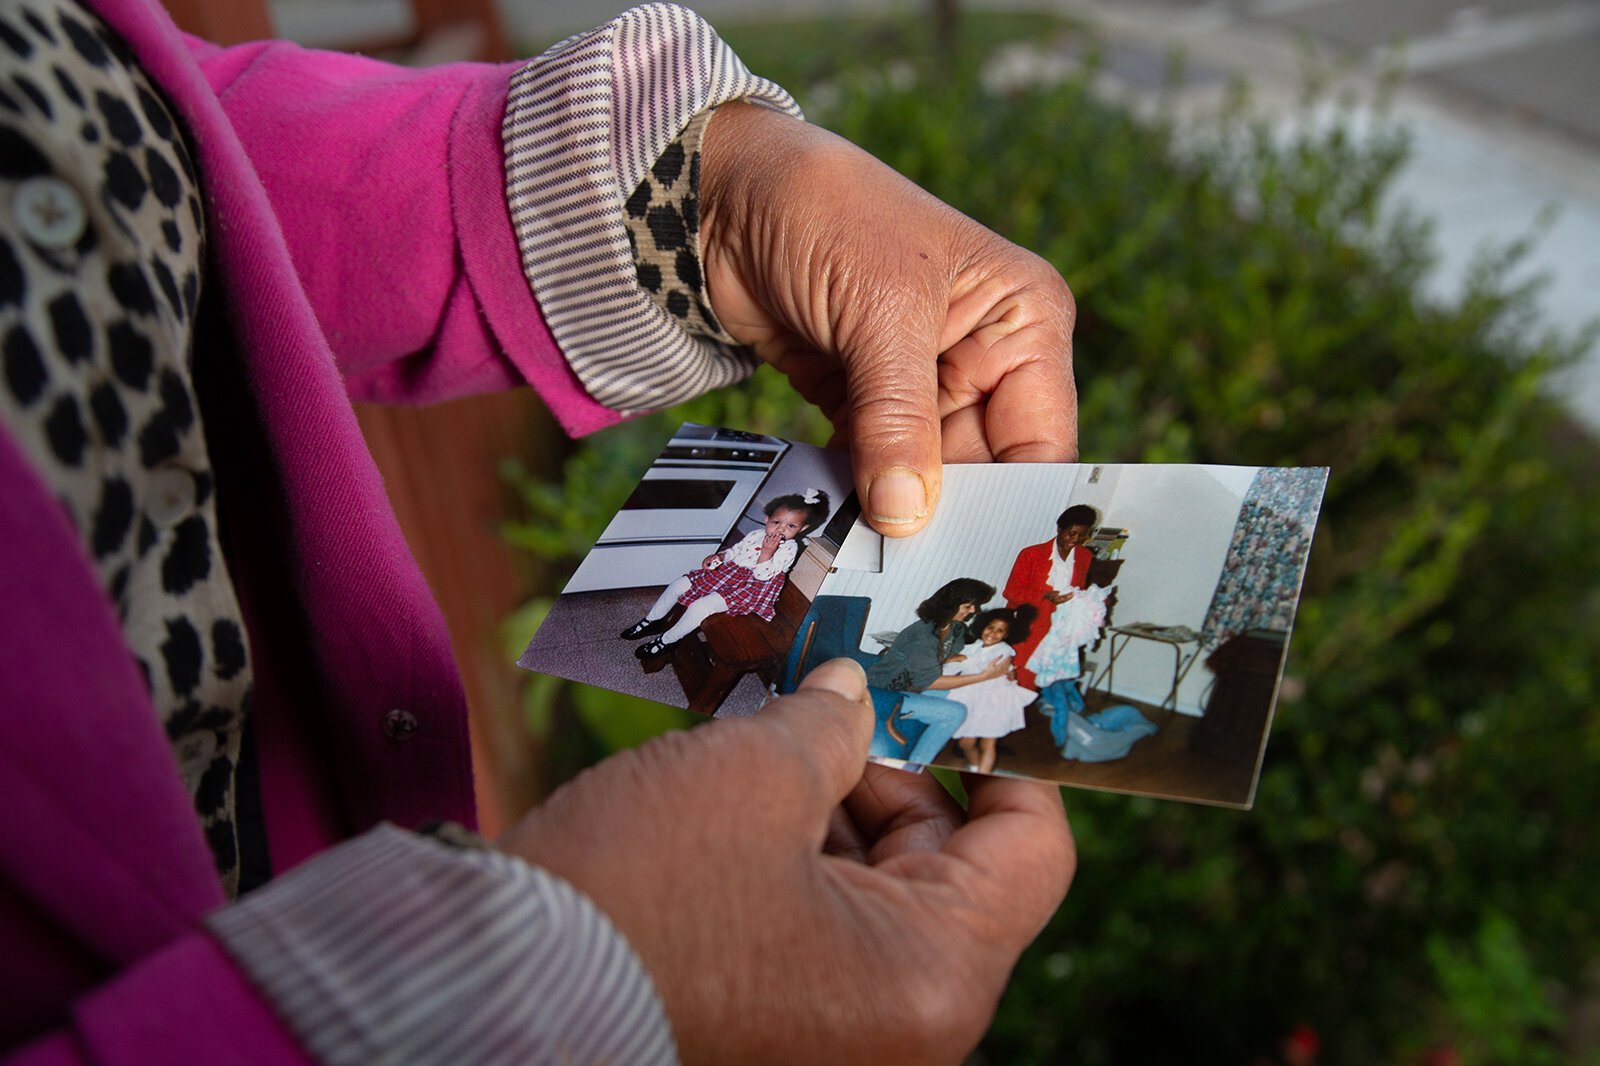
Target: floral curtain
x=1260 y=581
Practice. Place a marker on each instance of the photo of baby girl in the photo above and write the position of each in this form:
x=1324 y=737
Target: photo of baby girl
x=742 y=580
x=704 y=573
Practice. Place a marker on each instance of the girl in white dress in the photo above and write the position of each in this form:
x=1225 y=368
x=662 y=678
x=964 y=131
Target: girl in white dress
x=994 y=707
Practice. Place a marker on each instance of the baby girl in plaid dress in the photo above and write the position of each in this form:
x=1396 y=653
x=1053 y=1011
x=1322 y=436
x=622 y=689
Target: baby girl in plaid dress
x=743 y=579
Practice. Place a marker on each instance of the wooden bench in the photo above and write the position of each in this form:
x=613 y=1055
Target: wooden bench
x=710 y=663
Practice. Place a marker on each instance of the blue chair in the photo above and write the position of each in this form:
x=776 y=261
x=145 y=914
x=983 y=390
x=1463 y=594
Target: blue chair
x=832 y=629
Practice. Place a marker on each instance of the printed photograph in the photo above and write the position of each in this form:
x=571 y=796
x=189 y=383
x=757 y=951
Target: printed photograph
x=1117 y=627
x=694 y=592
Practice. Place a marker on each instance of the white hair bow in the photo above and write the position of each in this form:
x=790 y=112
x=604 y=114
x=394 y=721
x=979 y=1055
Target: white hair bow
x=810 y=496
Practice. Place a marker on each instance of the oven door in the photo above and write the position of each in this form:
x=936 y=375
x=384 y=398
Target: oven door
x=676 y=517
x=698 y=503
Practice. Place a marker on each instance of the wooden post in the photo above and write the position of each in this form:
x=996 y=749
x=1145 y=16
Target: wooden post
x=223 y=21
x=432 y=16
x=440 y=468
x=236 y=21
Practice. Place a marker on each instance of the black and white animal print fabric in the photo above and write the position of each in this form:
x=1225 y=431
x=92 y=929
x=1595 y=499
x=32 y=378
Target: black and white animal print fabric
x=663 y=222
x=614 y=99
x=101 y=252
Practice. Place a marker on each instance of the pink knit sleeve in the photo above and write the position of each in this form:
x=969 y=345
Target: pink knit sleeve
x=187 y=1003
x=389 y=186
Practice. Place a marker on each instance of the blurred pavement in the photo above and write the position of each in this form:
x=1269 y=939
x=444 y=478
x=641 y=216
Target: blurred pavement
x=1499 y=96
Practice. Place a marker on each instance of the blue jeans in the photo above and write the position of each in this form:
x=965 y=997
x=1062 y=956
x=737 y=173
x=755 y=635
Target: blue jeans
x=1063 y=698
x=942 y=715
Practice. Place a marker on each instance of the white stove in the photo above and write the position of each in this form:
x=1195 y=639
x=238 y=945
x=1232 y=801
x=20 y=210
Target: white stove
x=692 y=496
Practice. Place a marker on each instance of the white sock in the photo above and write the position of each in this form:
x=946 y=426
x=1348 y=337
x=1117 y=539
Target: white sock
x=668 y=597
x=697 y=612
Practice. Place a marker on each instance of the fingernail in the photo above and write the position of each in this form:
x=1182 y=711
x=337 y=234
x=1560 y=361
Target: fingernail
x=898 y=496
x=842 y=676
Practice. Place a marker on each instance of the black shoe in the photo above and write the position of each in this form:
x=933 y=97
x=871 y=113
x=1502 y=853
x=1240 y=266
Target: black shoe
x=653 y=647
x=644 y=627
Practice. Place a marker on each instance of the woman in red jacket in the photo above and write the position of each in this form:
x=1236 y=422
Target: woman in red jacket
x=1045 y=575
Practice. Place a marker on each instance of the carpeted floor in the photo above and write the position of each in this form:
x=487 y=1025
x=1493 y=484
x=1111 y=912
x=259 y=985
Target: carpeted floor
x=578 y=641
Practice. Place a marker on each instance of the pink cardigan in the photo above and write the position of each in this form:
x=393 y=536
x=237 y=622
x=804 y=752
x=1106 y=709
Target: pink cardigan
x=357 y=221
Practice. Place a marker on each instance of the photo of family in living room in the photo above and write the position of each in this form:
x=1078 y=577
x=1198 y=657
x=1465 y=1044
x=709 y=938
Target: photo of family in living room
x=1119 y=627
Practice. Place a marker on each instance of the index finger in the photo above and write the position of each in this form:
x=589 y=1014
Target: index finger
x=1030 y=408
x=1007 y=389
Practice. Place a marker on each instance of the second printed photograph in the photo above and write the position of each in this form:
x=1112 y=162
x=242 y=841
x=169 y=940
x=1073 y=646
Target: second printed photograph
x=1118 y=627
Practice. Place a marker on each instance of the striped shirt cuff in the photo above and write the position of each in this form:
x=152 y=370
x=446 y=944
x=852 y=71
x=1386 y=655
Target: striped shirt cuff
x=584 y=122
x=393 y=948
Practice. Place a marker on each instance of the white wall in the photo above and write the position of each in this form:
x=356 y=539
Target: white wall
x=1180 y=520
x=985 y=516
x=1098 y=492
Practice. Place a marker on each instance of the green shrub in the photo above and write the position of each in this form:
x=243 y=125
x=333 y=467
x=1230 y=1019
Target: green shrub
x=1419 y=868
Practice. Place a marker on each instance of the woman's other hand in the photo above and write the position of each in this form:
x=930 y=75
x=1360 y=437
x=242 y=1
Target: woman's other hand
x=794 y=905
x=921 y=334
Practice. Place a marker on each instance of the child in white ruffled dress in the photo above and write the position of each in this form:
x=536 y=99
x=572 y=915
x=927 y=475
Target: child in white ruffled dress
x=994 y=707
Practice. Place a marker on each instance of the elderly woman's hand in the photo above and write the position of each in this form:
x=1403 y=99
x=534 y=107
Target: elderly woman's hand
x=922 y=335
x=795 y=906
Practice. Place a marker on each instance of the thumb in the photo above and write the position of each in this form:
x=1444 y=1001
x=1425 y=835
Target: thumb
x=781 y=774
x=804 y=752
x=894 y=422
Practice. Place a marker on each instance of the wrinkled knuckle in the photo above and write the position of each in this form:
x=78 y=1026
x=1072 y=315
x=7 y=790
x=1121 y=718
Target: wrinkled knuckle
x=838 y=740
x=760 y=754
x=1066 y=299
x=894 y=414
x=795 y=766
x=781 y=766
x=1057 y=298
x=851 y=727
x=875 y=332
